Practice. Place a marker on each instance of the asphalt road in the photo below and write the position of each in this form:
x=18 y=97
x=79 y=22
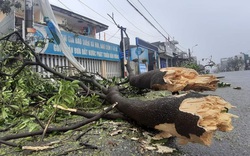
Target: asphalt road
x=236 y=142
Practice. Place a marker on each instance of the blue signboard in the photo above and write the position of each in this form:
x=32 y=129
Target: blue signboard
x=80 y=46
x=144 y=44
x=142 y=68
x=143 y=54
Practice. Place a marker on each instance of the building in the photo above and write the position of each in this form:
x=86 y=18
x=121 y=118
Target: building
x=165 y=53
x=144 y=56
x=246 y=60
x=147 y=56
x=81 y=34
x=235 y=63
x=169 y=54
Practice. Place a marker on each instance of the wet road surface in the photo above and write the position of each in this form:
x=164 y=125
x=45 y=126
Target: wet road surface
x=236 y=142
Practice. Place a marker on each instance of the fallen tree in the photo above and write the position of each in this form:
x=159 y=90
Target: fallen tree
x=173 y=79
x=192 y=117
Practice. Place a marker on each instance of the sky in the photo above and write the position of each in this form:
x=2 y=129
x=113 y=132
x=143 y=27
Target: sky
x=219 y=28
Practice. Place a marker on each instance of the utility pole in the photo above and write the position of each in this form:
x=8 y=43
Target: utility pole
x=28 y=15
x=124 y=45
x=189 y=55
x=28 y=22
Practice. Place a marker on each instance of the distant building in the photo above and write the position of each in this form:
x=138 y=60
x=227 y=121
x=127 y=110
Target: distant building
x=165 y=53
x=169 y=54
x=235 y=63
x=246 y=60
x=223 y=64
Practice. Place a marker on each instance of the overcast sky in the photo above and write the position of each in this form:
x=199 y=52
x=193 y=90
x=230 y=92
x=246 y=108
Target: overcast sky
x=221 y=28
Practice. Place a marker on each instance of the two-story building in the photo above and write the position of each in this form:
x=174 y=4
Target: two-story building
x=80 y=33
x=169 y=54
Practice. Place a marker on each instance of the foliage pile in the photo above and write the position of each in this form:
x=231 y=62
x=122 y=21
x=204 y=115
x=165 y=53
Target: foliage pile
x=27 y=100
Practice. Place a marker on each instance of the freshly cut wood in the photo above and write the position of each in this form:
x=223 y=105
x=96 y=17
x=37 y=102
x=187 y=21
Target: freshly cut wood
x=177 y=79
x=191 y=117
x=174 y=79
x=213 y=116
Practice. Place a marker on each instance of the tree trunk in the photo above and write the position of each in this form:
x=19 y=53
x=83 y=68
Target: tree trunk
x=174 y=79
x=192 y=117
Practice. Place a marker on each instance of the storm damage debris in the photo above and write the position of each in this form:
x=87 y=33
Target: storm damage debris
x=178 y=79
x=212 y=113
x=174 y=79
x=191 y=117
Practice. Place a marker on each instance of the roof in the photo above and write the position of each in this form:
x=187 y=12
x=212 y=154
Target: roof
x=99 y=26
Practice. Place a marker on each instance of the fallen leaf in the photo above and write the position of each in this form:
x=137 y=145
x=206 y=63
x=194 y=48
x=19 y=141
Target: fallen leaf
x=133 y=129
x=164 y=149
x=115 y=132
x=150 y=148
x=134 y=139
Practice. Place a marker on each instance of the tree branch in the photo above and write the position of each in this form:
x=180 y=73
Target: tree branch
x=58 y=129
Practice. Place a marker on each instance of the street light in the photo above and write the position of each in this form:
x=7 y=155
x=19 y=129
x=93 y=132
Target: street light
x=193 y=47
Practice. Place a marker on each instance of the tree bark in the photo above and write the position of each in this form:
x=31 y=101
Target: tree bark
x=172 y=116
x=174 y=79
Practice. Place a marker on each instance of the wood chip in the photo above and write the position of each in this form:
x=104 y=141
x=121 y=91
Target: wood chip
x=164 y=149
x=115 y=132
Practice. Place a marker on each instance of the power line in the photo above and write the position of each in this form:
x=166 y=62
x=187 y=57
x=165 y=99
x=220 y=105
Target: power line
x=113 y=35
x=107 y=18
x=95 y=11
x=147 y=20
x=136 y=32
x=135 y=22
x=127 y=19
x=10 y=20
x=64 y=5
x=154 y=18
x=182 y=47
x=152 y=23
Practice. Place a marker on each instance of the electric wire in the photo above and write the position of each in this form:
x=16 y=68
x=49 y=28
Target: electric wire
x=136 y=32
x=95 y=11
x=154 y=19
x=147 y=20
x=113 y=36
x=126 y=18
x=65 y=5
x=135 y=22
x=10 y=20
x=152 y=23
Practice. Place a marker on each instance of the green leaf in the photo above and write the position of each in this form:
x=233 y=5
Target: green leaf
x=32 y=127
x=51 y=99
x=69 y=132
x=24 y=124
x=15 y=107
x=68 y=100
x=75 y=82
x=4 y=113
x=63 y=105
